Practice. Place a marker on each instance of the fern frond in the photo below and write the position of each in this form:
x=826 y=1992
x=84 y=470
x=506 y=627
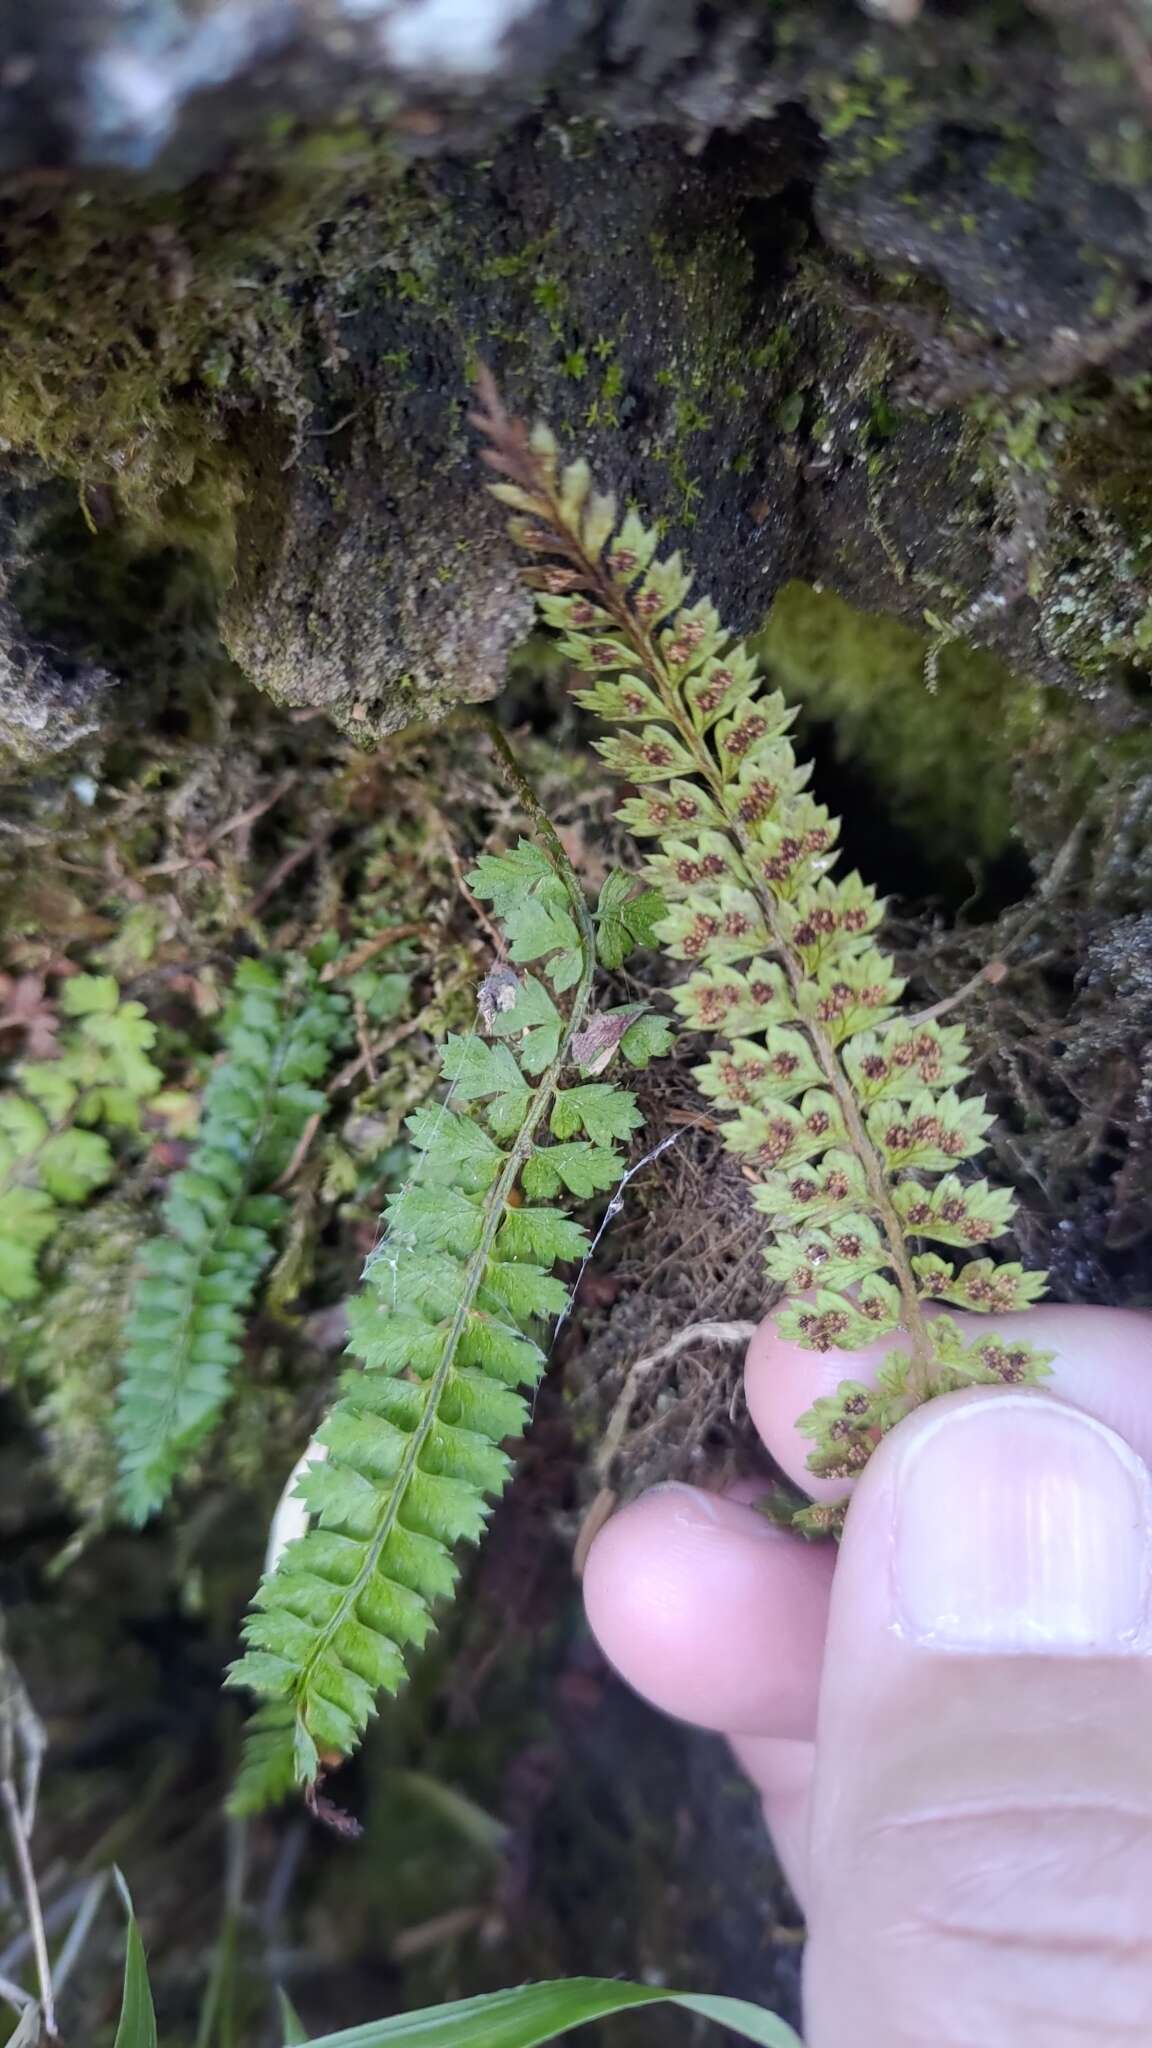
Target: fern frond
x=448 y=1331
x=195 y=1283
x=52 y=1153
x=841 y=1110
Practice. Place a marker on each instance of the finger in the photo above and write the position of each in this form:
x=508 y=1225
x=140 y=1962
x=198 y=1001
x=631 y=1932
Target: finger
x=710 y=1612
x=981 y=1845
x=1102 y=1360
x=782 y=1773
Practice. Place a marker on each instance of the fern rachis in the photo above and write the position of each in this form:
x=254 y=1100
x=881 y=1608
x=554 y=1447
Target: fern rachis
x=843 y=1110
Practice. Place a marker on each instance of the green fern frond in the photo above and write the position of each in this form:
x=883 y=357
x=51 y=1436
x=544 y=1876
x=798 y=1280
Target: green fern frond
x=843 y=1111
x=448 y=1331
x=196 y=1282
x=267 y=1772
x=57 y=1118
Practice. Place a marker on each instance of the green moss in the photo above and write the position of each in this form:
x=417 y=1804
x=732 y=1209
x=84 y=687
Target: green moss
x=1089 y=447
x=1109 y=455
x=117 y=598
x=1015 y=165
x=946 y=759
x=134 y=323
x=868 y=112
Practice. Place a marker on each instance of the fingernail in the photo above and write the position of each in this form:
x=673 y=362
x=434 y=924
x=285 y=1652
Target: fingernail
x=696 y=1509
x=1021 y=1524
x=695 y=1503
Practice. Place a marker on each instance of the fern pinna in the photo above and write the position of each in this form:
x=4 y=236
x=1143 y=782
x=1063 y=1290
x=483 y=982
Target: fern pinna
x=196 y=1282
x=845 y=1113
x=59 y=1116
x=447 y=1326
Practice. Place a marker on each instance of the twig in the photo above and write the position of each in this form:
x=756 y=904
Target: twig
x=303 y=1147
x=432 y=1934
x=692 y=1120
x=23 y=1742
x=992 y=972
x=57 y=1913
x=323 y=433
x=292 y=1847
x=285 y=868
x=22 y=1853
x=354 y=961
x=391 y=1039
x=363 y=1041
x=474 y=905
x=248 y=816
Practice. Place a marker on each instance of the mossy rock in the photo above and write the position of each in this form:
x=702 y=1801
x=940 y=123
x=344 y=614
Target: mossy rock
x=876 y=326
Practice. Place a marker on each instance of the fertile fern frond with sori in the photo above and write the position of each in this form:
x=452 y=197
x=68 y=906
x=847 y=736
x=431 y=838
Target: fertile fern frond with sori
x=196 y=1282
x=447 y=1329
x=845 y=1113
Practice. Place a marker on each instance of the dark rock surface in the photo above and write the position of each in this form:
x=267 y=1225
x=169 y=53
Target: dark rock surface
x=863 y=300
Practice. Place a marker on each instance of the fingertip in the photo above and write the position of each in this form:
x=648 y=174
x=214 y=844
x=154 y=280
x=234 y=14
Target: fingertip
x=782 y=1380
x=710 y=1612
x=1101 y=1359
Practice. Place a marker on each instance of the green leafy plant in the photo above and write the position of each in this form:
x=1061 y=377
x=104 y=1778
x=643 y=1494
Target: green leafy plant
x=59 y=1118
x=520 y=2018
x=196 y=1282
x=447 y=1326
x=846 y=1114
x=137 y=2024
x=533 y=2013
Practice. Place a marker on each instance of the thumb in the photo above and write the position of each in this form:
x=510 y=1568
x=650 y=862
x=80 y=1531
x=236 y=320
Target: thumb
x=981 y=1849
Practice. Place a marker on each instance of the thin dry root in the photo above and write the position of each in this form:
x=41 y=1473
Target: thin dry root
x=614 y=1434
x=692 y=1334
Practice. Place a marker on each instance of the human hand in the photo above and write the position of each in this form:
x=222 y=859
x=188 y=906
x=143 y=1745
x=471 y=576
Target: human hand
x=950 y=1720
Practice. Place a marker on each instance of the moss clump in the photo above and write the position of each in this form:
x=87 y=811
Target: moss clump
x=1109 y=457
x=945 y=757
x=135 y=322
x=1076 y=463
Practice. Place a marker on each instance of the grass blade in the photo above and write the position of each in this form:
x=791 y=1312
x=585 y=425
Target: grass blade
x=137 y=2028
x=533 y=2013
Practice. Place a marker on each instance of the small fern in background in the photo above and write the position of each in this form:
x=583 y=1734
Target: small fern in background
x=60 y=1116
x=846 y=1114
x=196 y=1283
x=448 y=1325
